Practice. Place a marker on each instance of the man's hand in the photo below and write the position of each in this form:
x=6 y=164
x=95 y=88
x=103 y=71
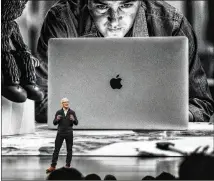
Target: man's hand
x=72 y=117
x=58 y=117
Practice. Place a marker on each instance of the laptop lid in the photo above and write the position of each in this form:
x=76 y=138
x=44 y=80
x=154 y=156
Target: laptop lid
x=128 y=83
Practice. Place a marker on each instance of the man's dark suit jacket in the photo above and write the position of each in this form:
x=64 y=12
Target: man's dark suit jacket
x=65 y=125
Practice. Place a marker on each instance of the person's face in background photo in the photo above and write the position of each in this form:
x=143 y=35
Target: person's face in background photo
x=113 y=18
x=65 y=104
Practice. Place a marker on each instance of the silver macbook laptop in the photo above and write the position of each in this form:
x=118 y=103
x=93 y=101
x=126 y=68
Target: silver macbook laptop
x=128 y=83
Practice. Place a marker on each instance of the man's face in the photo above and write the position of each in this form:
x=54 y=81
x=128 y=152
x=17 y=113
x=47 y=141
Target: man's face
x=65 y=104
x=113 y=18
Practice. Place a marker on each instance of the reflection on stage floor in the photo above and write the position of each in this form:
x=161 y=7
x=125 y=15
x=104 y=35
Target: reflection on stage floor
x=124 y=168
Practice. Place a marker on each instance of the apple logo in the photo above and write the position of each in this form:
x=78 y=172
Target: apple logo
x=116 y=83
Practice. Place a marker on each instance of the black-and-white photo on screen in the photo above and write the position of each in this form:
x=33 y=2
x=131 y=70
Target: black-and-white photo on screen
x=102 y=89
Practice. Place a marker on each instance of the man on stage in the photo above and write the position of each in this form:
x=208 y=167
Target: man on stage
x=65 y=118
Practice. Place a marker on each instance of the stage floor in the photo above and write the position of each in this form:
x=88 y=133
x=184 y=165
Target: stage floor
x=26 y=157
x=124 y=168
x=109 y=143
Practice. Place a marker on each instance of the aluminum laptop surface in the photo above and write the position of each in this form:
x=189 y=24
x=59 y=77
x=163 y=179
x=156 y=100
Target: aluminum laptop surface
x=124 y=83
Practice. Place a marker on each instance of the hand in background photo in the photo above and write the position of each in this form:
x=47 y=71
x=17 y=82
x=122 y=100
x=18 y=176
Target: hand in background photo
x=191 y=118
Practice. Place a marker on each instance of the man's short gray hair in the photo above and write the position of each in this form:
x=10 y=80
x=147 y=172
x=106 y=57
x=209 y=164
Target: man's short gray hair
x=64 y=100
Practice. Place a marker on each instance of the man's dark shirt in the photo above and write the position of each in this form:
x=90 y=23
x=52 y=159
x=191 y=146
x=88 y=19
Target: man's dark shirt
x=154 y=18
x=65 y=125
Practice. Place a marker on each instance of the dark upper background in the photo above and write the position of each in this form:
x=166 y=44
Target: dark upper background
x=199 y=13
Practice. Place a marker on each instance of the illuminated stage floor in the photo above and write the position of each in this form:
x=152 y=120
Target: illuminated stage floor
x=109 y=143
